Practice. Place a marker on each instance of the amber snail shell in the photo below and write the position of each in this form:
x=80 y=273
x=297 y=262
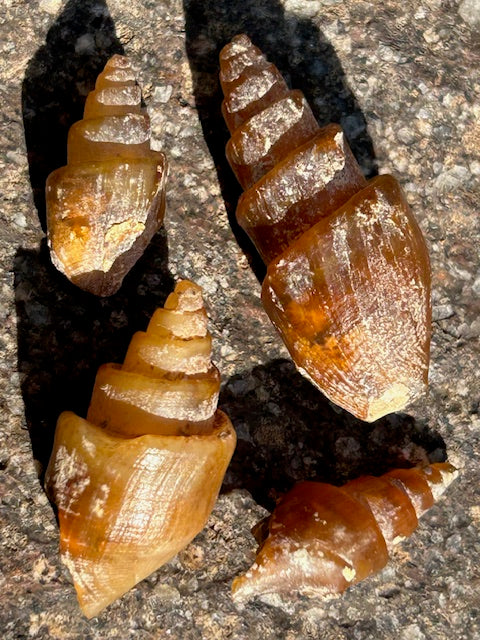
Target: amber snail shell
x=104 y=207
x=348 y=278
x=322 y=539
x=136 y=481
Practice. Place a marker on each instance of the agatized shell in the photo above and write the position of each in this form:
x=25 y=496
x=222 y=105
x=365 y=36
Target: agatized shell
x=348 y=280
x=137 y=480
x=104 y=207
x=322 y=539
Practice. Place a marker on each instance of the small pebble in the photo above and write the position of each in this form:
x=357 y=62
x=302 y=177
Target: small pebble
x=162 y=93
x=50 y=6
x=470 y=12
x=442 y=312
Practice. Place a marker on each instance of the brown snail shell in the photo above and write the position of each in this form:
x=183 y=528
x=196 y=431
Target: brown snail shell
x=348 y=279
x=104 y=207
x=136 y=481
x=322 y=539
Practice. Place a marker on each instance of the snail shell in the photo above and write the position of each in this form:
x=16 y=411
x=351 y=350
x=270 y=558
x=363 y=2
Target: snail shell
x=104 y=207
x=348 y=278
x=136 y=481
x=322 y=539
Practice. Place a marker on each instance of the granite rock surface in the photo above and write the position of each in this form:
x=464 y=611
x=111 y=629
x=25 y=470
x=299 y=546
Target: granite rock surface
x=402 y=79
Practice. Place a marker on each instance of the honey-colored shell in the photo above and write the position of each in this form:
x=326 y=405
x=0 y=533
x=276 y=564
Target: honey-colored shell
x=136 y=481
x=350 y=298
x=104 y=207
x=322 y=539
x=348 y=280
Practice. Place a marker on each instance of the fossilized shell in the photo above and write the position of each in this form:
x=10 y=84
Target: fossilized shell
x=137 y=480
x=348 y=281
x=322 y=539
x=104 y=207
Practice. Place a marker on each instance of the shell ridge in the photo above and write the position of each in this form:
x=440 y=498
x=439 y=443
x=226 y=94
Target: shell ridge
x=96 y=247
x=130 y=497
x=311 y=525
x=355 y=312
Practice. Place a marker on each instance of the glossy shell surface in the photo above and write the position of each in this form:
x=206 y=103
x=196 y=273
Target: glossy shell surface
x=322 y=539
x=136 y=481
x=105 y=205
x=348 y=281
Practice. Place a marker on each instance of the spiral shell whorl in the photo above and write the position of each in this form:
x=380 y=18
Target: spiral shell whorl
x=348 y=280
x=322 y=539
x=137 y=480
x=167 y=383
x=105 y=205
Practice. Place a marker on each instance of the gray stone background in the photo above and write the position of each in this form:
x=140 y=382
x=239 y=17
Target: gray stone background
x=403 y=79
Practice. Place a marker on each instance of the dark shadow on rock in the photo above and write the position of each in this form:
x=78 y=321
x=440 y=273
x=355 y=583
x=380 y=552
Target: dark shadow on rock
x=304 y=56
x=288 y=432
x=65 y=334
x=56 y=83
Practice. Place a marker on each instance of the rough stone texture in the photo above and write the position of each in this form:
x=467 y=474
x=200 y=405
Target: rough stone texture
x=402 y=78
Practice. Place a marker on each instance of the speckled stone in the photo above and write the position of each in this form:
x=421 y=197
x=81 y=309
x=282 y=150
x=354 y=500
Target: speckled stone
x=402 y=79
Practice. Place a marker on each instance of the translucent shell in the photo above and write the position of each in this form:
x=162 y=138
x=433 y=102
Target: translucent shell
x=136 y=481
x=348 y=281
x=104 y=207
x=322 y=539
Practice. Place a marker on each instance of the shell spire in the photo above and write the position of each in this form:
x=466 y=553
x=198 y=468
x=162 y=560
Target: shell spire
x=348 y=278
x=322 y=539
x=136 y=481
x=104 y=207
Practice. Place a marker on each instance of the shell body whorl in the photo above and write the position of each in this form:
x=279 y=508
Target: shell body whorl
x=348 y=279
x=105 y=205
x=136 y=481
x=322 y=539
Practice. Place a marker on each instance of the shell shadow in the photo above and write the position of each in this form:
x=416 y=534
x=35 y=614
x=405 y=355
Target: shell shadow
x=303 y=55
x=56 y=83
x=65 y=334
x=288 y=431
